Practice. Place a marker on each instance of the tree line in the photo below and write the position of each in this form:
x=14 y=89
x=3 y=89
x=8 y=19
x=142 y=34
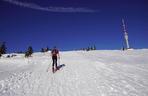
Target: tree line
x=29 y=51
x=89 y=48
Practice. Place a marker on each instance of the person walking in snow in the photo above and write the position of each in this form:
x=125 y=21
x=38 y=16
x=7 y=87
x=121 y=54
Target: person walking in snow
x=55 y=55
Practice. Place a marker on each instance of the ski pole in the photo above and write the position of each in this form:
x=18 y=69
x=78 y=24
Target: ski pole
x=59 y=61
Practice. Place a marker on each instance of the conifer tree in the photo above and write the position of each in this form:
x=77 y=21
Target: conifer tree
x=91 y=48
x=0 y=54
x=3 y=48
x=42 y=50
x=30 y=50
x=0 y=50
x=94 y=47
x=47 y=49
x=88 y=49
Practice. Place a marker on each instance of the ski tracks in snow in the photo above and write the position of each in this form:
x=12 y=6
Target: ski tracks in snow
x=84 y=74
x=33 y=82
x=117 y=81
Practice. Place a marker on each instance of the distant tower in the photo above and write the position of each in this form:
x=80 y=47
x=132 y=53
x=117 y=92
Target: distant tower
x=125 y=34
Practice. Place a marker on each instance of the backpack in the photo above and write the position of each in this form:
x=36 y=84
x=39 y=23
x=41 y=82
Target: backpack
x=55 y=52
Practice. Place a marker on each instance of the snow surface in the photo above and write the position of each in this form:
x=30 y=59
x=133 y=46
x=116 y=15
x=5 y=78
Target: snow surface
x=92 y=73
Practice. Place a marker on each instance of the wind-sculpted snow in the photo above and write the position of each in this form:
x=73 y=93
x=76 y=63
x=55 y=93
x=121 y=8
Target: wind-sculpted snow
x=92 y=73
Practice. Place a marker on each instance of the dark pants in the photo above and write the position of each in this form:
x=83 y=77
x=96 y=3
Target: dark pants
x=54 y=59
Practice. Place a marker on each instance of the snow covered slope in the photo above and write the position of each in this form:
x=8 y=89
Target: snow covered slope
x=93 y=73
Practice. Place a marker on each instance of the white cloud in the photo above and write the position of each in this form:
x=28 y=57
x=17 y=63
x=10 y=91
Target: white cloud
x=50 y=9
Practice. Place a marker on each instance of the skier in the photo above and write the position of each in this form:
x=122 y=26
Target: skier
x=55 y=55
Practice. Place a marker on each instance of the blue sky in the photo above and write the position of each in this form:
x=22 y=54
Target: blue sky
x=72 y=24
